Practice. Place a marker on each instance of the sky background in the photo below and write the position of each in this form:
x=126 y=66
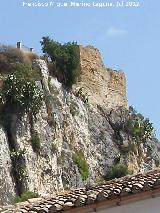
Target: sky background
x=128 y=39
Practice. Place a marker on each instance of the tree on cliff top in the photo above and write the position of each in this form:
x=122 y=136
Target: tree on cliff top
x=65 y=58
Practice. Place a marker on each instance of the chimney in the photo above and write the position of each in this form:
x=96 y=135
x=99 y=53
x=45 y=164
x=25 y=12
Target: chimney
x=19 y=45
x=31 y=50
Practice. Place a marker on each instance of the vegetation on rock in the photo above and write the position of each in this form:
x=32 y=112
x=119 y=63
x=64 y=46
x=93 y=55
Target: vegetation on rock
x=65 y=60
x=25 y=196
x=79 y=159
x=19 y=169
x=117 y=171
x=10 y=56
x=19 y=92
x=134 y=124
x=35 y=141
x=138 y=127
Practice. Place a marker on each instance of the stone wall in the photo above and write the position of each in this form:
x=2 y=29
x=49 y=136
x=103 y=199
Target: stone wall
x=103 y=86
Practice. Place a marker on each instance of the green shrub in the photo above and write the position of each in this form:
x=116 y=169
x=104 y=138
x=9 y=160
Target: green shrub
x=35 y=142
x=65 y=60
x=79 y=159
x=29 y=72
x=19 y=92
x=19 y=169
x=25 y=196
x=18 y=159
x=117 y=171
x=138 y=127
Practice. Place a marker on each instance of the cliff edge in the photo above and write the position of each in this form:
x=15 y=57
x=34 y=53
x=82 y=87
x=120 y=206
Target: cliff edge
x=70 y=142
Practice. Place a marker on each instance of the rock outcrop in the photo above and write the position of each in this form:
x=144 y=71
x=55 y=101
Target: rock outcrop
x=67 y=127
x=7 y=185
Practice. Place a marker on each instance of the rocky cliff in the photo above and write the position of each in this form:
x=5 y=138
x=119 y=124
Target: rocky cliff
x=70 y=133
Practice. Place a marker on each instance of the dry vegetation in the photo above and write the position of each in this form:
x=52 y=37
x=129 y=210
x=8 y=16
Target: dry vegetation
x=10 y=56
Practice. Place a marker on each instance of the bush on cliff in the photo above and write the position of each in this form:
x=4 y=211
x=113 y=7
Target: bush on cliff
x=132 y=123
x=65 y=60
x=35 y=142
x=19 y=92
x=138 y=127
x=25 y=196
x=117 y=171
x=79 y=159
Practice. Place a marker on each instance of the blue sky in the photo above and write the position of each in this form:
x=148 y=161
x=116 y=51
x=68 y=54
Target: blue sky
x=128 y=38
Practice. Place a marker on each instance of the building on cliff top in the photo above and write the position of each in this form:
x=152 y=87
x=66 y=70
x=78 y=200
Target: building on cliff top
x=24 y=48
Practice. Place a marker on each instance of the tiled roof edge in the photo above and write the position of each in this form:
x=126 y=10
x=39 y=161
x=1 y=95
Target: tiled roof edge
x=116 y=192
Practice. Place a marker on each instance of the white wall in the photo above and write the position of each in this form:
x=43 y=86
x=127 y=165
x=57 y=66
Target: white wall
x=151 y=205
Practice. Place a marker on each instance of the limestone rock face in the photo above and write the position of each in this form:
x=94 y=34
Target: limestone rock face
x=67 y=126
x=71 y=125
x=7 y=185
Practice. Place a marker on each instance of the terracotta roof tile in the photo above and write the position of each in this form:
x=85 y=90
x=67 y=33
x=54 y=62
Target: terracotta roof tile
x=117 y=188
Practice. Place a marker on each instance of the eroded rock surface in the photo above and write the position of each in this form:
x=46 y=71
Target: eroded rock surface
x=66 y=126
